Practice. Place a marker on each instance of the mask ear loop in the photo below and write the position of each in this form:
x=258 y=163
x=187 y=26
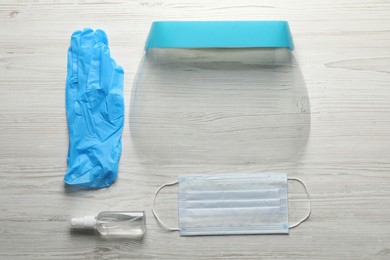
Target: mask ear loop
x=309 y=198
x=154 y=202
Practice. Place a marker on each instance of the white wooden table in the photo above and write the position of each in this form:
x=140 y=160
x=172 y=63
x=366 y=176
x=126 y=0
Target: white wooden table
x=343 y=48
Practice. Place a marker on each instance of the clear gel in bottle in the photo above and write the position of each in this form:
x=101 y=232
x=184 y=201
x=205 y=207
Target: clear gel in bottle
x=114 y=223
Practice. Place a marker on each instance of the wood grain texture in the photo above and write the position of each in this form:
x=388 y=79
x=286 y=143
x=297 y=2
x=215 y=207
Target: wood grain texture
x=343 y=48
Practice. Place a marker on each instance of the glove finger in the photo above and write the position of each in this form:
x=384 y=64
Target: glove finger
x=94 y=91
x=75 y=47
x=117 y=81
x=115 y=102
x=69 y=64
x=101 y=36
x=71 y=79
x=87 y=42
x=71 y=86
x=107 y=70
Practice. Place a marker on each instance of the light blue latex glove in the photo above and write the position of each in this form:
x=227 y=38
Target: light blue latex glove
x=95 y=111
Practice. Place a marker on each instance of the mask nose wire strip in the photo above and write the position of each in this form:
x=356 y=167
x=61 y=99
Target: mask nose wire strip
x=309 y=198
x=154 y=202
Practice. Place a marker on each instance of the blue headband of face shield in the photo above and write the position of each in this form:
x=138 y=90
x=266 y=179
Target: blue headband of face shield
x=219 y=34
x=233 y=204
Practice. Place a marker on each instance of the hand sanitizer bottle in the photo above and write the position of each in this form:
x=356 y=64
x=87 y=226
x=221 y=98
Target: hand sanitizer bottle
x=114 y=223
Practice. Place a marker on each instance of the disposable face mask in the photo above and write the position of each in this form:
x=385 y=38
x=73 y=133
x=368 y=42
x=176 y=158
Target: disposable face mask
x=233 y=204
